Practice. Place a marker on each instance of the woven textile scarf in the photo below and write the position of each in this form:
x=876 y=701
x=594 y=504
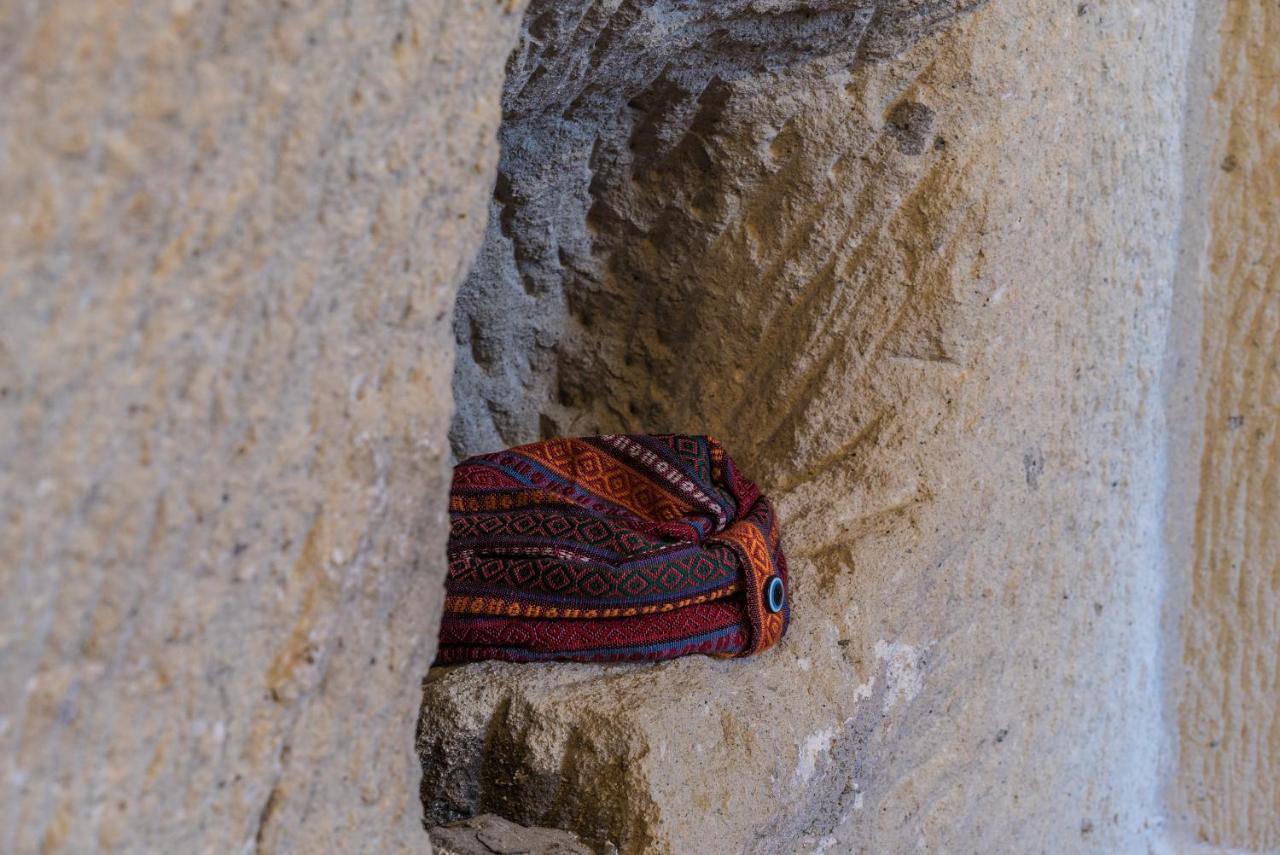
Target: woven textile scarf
x=610 y=548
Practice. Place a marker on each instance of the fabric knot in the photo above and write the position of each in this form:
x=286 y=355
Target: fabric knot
x=610 y=548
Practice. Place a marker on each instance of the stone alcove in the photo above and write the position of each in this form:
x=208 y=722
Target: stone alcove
x=772 y=221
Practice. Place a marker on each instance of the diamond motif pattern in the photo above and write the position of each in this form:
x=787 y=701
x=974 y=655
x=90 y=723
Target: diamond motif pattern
x=609 y=548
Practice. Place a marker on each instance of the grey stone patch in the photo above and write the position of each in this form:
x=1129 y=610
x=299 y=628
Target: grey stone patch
x=488 y=834
x=910 y=124
x=1033 y=467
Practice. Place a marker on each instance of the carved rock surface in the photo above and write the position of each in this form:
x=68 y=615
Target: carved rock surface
x=920 y=286
x=232 y=234
x=645 y=146
x=492 y=835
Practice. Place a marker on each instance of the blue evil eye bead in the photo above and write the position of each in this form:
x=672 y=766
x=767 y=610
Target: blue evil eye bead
x=774 y=594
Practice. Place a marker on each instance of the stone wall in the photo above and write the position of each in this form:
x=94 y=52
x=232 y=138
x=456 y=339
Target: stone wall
x=1226 y=677
x=985 y=296
x=232 y=238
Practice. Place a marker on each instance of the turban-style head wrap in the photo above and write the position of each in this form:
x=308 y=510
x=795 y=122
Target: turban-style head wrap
x=610 y=548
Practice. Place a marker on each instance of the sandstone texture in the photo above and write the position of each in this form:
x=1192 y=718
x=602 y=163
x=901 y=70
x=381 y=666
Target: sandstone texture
x=1226 y=790
x=232 y=235
x=985 y=295
x=646 y=146
x=917 y=269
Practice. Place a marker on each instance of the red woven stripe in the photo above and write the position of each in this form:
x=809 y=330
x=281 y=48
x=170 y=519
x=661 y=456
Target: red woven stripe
x=616 y=547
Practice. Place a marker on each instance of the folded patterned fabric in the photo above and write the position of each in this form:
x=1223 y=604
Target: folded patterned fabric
x=610 y=548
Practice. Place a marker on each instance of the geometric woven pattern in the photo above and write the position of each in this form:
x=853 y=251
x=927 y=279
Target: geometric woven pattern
x=610 y=548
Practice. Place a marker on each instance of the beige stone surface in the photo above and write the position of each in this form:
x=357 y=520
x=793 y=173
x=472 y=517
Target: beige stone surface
x=1226 y=789
x=924 y=296
x=232 y=235
x=985 y=297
